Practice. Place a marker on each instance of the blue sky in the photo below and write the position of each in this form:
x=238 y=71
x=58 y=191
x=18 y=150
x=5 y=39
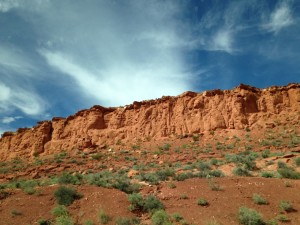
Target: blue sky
x=61 y=56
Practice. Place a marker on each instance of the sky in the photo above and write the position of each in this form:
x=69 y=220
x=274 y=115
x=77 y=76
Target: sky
x=61 y=56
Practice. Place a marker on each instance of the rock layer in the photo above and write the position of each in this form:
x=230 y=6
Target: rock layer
x=188 y=113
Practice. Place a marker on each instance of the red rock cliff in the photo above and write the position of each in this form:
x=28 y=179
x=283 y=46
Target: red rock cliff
x=188 y=113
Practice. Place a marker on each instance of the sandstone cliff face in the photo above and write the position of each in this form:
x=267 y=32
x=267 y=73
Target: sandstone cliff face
x=188 y=113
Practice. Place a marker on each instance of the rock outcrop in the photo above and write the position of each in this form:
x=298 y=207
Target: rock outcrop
x=188 y=113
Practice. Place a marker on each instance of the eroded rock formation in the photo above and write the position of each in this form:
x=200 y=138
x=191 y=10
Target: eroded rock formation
x=187 y=113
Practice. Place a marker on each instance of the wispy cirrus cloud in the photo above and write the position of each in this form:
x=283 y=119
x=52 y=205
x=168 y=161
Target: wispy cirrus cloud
x=280 y=18
x=15 y=97
x=16 y=91
x=125 y=54
x=222 y=41
x=10 y=119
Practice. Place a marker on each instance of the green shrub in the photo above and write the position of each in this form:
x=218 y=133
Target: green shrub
x=267 y=174
x=266 y=153
x=216 y=173
x=286 y=206
x=103 y=217
x=44 y=222
x=151 y=203
x=184 y=196
x=109 y=180
x=202 y=202
x=164 y=174
x=66 y=196
x=15 y=212
x=214 y=161
x=67 y=178
x=127 y=221
x=60 y=210
x=183 y=176
x=152 y=178
x=137 y=202
x=239 y=171
x=171 y=185
x=288 y=184
x=245 y=159
x=272 y=222
x=196 y=138
x=214 y=186
x=160 y=217
x=281 y=165
x=28 y=186
x=297 y=161
x=289 y=173
x=88 y=222
x=177 y=217
x=203 y=165
x=165 y=147
x=250 y=217
x=97 y=156
x=283 y=218
x=64 y=220
x=259 y=199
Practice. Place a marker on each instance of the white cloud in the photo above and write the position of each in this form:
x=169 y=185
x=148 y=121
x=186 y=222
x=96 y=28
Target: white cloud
x=4 y=92
x=6 y=5
x=280 y=18
x=16 y=97
x=10 y=119
x=18 y=72
x=117 y=55
x=222 y=41
x=120 y=85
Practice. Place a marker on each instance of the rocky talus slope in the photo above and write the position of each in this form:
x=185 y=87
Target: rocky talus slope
x=189 y=113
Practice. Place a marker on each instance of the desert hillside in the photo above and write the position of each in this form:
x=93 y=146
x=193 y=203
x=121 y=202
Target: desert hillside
x=211 y=158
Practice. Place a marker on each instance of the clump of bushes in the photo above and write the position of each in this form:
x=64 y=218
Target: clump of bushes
x=267 y=174
x=44 y=222
x=240 y=171
x=160 y=217
x=258 y=199
x=250 y=217
x=67 y=178
x=245 y=159
x=286 y=206
x=104 y=217
x=297 y=161
x=29 y=186
x=165 y=147
x=202 y=202
x=286 y=171
x=109 y=180
x=62 y=216
x=148 y=204
x=156 y=177
x=66 y=196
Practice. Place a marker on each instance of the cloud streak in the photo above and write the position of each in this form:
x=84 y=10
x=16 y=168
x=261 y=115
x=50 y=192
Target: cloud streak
x=122 y=56
x=17 y=72
x=280 y=18
x=10 y=119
